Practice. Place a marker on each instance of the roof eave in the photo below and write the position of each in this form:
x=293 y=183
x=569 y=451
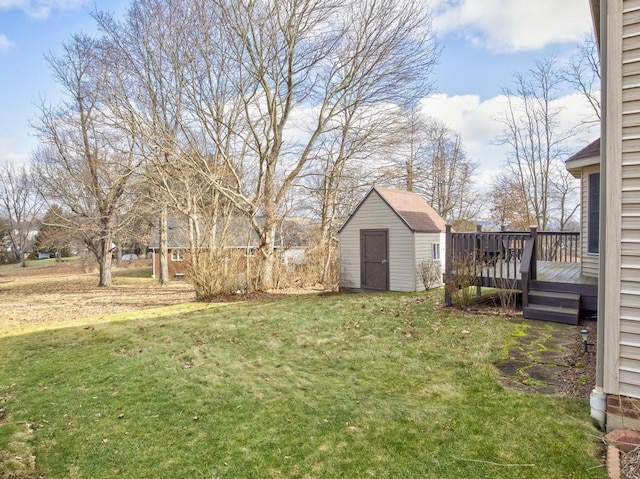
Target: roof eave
x=575 y=166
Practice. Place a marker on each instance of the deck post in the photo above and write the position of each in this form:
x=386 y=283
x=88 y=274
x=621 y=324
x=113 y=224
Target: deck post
x=448 y=261
x=534 y=255
x=481 y=247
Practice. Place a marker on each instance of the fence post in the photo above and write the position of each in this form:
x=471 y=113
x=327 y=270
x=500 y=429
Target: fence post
x=534 y=255
x=448 y=262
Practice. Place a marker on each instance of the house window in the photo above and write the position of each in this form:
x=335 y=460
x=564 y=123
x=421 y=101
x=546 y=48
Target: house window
x=435 y=250
x=593 y=214
x=177 y=255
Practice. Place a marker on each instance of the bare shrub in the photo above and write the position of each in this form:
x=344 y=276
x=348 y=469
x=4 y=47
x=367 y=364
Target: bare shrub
x=235 y=271
x=507 y=292
x=213 y=274
x=430 y=273
x=314 y=269
x=463 y=278
x=89 y=262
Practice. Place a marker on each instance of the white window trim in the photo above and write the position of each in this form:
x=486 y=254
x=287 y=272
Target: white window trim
x=177 y=255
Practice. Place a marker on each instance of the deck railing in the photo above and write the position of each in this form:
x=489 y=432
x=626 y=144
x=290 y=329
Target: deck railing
x=496 y=258
x=558 y=246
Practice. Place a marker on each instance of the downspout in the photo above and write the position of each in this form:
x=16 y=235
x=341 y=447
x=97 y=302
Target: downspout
x=598 y=398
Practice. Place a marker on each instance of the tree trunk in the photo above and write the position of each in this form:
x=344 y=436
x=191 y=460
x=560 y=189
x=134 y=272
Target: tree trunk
x=164 y=247
x=267 y=258
x=104 y=260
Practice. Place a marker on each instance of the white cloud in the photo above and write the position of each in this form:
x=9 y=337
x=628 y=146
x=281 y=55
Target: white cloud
x=513 y=25
x=40 y=8
x=479 y=126
x=9 y=153
x=5 y=44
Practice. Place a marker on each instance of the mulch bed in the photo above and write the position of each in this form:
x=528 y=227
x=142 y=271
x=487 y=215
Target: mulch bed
x=580 y=379
x=630 y=464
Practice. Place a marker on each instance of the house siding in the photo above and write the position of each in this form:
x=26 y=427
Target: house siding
x=589 y=261
x=174 y=267
x=622 y=160
x=630 y=205
x=374 y=213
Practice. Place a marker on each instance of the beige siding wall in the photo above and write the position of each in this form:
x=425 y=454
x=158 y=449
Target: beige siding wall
x=424 y=252
x=622 y=262
x=589 y=261
x=374 y=213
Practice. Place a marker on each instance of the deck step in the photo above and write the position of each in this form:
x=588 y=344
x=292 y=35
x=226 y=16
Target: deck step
x=554 y=298
x=556 y=314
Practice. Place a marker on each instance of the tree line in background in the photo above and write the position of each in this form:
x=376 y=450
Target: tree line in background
x=231 y=112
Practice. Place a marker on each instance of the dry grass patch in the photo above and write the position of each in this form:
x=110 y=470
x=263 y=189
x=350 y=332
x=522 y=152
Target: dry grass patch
x=47 y=292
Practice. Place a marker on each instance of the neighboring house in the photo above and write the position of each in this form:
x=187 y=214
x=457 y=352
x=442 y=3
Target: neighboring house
x=239 y=237
x=617 y=392
x=585 y=166
x=177 y=249
x=385 y=240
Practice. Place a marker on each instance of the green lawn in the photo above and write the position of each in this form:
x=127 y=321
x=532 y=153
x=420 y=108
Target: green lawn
x=335 y=386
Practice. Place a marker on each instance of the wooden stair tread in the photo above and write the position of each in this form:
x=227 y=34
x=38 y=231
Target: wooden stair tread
x=559 y=314
x=555 y=294
x=552 y=309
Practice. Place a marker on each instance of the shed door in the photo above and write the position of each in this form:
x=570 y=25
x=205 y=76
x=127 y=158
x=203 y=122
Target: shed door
x=374 y=259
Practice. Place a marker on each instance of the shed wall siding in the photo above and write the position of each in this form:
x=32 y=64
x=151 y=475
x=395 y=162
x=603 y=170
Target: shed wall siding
x=374 y=213
x=424 y=252
x=622 y=359
x=589 y=261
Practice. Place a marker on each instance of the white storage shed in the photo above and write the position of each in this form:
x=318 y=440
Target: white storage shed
x=386 y=239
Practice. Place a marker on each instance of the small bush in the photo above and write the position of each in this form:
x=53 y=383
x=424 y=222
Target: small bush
x=507 y=292
x=460 y=285
x=430 y=273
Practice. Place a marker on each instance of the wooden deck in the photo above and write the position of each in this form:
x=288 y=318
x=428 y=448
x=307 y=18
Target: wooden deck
x=549 y=271
x=545 y=266
x=563 y=273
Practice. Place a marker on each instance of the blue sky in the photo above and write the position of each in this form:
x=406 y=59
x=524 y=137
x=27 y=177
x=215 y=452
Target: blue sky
x=484 y=43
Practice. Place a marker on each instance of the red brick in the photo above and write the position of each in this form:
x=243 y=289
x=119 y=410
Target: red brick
x=624 y=439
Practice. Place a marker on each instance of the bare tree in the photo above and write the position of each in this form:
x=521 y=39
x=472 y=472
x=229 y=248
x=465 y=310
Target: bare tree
x=85 y=160
x=565 y=197
x=152 y=43
x=174 y=95
x=583 y=74
x=532 y=129
x=408 y=149
x=449 y=182
x=20 y=205
x=426 y=157
x=277 y=63
x=509 y=208
x=237 y=101
x=342 y=168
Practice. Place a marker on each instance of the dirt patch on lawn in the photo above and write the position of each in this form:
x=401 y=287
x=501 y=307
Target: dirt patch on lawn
x=63 y=292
